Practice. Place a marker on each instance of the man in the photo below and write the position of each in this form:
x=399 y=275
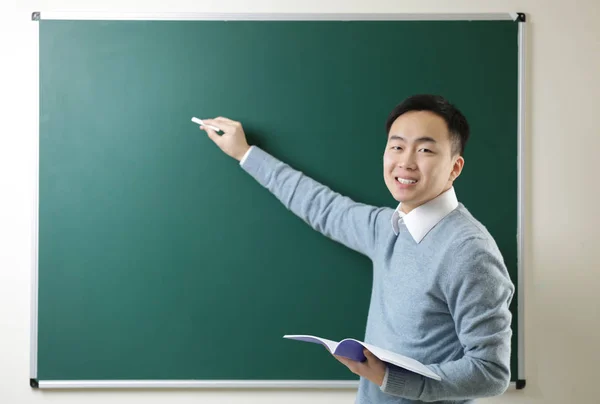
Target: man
x=441 y=292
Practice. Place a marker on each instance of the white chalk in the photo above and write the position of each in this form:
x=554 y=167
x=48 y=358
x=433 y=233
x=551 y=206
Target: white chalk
x=199 y=122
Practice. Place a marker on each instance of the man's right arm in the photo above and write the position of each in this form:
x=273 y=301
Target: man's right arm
x=337 y=217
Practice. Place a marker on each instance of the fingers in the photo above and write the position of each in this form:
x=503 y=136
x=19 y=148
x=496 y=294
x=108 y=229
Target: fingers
x=225 y=127
x=355 y=367
x=372 y=360
x=372 y=368
x=212 y=135
x=345 y=361
x=226 y=120
x=211 y=121
x=224 y=124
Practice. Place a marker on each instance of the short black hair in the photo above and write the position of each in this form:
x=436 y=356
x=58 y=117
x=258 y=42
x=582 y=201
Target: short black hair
x=458 y=127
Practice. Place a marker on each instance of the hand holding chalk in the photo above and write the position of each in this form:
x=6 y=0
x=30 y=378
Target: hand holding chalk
x=232 y=141
x=201 y=123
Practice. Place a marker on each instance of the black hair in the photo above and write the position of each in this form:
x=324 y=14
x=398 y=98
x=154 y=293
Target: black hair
x=458 y=127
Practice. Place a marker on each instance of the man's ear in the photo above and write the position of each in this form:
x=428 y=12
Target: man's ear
x=459 y=163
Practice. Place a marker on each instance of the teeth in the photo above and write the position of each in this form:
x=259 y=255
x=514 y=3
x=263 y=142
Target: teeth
x=403 y=181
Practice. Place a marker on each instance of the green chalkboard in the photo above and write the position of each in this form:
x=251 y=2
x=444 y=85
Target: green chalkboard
x=160 y=259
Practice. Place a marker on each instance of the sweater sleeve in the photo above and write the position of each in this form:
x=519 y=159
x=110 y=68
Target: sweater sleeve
x=479 y=292
x=337 y=217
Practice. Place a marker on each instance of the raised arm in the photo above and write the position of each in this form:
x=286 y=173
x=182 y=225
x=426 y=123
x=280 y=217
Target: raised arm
x=337 y=217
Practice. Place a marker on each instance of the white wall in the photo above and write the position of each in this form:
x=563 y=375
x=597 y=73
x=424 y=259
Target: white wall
x=563 y=250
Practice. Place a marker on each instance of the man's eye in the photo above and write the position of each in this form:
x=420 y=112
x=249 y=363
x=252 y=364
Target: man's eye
x=426 y=151
x=396 y=148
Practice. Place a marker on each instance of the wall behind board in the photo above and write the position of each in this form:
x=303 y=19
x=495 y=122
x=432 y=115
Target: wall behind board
x=562 y=326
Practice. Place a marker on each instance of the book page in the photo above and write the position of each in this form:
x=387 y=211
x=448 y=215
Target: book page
x=329 y=344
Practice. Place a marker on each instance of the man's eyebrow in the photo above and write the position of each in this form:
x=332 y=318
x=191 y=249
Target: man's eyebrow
x=424 y=139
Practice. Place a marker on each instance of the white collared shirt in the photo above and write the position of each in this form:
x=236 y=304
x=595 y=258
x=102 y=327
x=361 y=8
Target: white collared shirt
x=423 y=218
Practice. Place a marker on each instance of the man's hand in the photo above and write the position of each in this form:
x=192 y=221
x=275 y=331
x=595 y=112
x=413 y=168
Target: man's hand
x=232 y=141
x=371 y=369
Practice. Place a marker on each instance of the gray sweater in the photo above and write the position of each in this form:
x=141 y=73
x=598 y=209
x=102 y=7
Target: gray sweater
x=443 y=301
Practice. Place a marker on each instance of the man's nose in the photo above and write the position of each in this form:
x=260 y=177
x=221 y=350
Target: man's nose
x=408 y=161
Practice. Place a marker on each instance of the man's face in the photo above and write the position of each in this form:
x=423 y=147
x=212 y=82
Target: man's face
x=418 y=164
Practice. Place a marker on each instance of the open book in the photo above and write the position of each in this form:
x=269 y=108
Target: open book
x=353 y=349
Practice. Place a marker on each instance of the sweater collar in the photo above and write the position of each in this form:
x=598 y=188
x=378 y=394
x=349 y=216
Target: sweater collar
x=423 y=218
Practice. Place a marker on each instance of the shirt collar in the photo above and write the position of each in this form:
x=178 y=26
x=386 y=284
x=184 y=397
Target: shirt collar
x=423 y=218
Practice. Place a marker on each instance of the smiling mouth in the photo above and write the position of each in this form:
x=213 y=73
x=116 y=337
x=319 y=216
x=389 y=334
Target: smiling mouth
x=405 y=181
